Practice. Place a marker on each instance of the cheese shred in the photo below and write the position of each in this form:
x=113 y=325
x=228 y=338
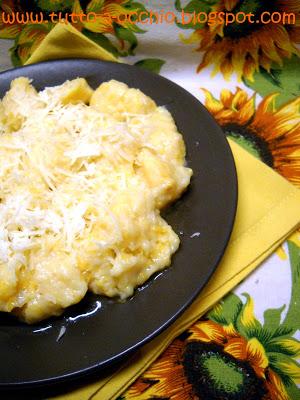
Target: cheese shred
x=83 y=177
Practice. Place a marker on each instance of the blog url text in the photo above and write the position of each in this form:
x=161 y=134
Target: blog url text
x=152 y=17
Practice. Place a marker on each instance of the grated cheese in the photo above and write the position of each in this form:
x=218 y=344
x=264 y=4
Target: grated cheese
x=79 y=198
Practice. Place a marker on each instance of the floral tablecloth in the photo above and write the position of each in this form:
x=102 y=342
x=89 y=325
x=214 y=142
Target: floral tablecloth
x=248 y=77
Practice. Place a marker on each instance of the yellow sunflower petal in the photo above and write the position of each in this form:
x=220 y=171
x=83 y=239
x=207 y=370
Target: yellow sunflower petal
x=24 y=52
x=244 y=55
x=193 y=38
x=289 y=168
x=238 y=61
x=237 y=348
x=206 y=41
x=265 y=62
x=250 y=66
x=230 y=4
x=282 y=40
x=116 y=10
x=253 y=50
x=266 y=105
x=291 y=109
x=207 y=331
x=210 y=57
x=240 y=99
x=295 y=238
x=292 y=345
x=252 y=351
x=212 y=104
x=232 y=108
x=248 y=321
x=164 y=378
x=230 y=330
x=104 y=21
x=137 y=388
x=226 y=116
x=77 y=7
x=97 y=5
x=203 y=64
x=290 y=368
x=257 y=357
x=217 y=309
x=283 y=53
x=287 y=129
x=217 y=29
x=247 y=111
x=275 y=387
x=9 y=31
x=33 y=33
x=281 y=253
x=226 y=97
x=269 y=49
x=101 y=25
x=226 y=67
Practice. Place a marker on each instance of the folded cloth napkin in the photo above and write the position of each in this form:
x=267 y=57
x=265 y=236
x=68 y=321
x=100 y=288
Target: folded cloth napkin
x=268 y=212
x=65 y=41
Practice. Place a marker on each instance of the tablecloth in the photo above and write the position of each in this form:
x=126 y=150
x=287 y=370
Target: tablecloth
x=247 y=75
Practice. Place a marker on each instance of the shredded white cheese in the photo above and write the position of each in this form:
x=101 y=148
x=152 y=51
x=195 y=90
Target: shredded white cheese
x=80 y=191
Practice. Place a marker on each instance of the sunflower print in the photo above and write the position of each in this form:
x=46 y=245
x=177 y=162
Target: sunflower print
x=229 y=355
x=271 y=134
x=244 y=48
x=27 y=37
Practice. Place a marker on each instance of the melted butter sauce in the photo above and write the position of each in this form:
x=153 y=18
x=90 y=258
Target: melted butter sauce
x=98 y=305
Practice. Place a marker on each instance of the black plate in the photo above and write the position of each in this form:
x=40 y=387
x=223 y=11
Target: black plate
x=33 y=354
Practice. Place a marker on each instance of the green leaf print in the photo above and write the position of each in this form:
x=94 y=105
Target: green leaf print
x=247 y=324
x=126 y=35
x=102 y=41
x=227 y=310
x=284 y=80
x=194 y=6
x=151 y=64
x=272 y=318
x=285 y=366
x=287 y=346
x=15 y=59
x=292 y=319
x=293 y=391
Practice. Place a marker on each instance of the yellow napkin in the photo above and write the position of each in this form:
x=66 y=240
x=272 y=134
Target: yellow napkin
x=268 y=212
x=65 y=41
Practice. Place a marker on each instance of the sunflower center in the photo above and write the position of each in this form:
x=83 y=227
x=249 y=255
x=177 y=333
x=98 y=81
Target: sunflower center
x=256 y=7
x=217 y=368
x=215 y=375
x=250 y=142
